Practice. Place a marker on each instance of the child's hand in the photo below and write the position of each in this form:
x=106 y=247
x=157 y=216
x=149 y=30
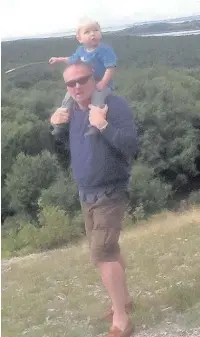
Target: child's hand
x=53 y=60
x=100 y=85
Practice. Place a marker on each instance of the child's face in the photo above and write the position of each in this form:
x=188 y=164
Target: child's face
x=90 y=35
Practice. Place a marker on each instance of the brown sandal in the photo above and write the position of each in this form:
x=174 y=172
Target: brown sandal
x=116 y=332
x=129 y=308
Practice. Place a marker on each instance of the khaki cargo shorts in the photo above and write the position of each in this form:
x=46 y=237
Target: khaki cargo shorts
x=103 y=223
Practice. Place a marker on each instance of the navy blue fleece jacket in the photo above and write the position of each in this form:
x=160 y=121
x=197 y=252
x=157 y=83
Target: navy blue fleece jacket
x=104 y=159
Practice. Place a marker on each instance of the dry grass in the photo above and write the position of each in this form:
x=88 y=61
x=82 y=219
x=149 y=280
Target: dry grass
x=58 y=293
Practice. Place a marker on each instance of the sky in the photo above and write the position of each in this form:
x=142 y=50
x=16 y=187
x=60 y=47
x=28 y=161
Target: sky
x=28 y=18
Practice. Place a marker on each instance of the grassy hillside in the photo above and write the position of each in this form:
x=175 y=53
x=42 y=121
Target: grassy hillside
x=58 y=293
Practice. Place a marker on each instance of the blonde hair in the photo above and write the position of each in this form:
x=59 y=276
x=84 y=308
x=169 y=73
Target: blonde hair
x=86 y=21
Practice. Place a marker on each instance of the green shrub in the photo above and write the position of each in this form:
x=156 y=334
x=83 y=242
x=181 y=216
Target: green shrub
x=15 y=222
x=147 y=191
x=21 y=240
x=62 y=193
x=194 y=197
x=57 y=228
x=28 y=176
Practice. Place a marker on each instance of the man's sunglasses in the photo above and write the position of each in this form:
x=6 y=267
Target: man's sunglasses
x=81 y=81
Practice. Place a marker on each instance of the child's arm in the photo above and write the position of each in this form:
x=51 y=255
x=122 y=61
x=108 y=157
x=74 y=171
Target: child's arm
x=68 y=60
x=109 y=59
x=108 y=76
x=54 y=60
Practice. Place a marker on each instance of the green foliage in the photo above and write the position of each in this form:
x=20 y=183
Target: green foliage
x=57 y=228
x=29 y=137
x=39 y=103
x=27 y=176
x=15 y=222
x=161 y=79
x=194 y=198
x=148 y=193
x=167 y=111
x=183 y=51
x=18 y=235
x=5 y=202
x=62 y=193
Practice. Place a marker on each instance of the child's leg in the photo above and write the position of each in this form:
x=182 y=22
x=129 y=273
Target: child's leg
x=98 y=99
x=66 y=103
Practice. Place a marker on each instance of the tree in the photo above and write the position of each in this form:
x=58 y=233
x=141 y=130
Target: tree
x=63 y=193
x=147 y=190
x=28 y=176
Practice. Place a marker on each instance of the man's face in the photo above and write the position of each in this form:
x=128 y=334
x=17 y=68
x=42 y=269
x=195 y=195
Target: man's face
x=89 y=35
x=79 y=82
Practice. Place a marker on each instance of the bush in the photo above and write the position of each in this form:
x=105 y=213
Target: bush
x=62 y=193
x=18 y=240
x=27 y=177
x=57 y=228
x=148 y=192
x=21 y=236
x=27 y=238
x=15 y=222
x=194 y=198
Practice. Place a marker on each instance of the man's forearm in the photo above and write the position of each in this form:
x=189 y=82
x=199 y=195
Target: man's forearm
x=124 y=140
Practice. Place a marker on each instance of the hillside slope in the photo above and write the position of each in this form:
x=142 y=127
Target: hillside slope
x=58 y=293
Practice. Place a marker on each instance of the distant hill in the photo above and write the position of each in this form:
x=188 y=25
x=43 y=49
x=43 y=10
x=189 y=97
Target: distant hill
x=161 y=27
x=185 y=18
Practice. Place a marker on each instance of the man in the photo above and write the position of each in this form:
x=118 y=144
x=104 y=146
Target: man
x=101 y=166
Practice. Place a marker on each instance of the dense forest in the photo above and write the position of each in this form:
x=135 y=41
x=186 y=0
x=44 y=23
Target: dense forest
x=160 y=77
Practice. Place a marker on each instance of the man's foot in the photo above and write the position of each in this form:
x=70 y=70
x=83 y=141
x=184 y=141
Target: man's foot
x=129 y=308
x=116 y=332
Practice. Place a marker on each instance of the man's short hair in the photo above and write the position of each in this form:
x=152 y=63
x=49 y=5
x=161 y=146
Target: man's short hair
x=81 y=63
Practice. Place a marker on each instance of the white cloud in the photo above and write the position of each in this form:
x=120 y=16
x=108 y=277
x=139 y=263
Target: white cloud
x=22 y=17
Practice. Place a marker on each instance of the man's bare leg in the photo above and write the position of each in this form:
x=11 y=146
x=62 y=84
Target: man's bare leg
x=113 y=278
x=123 y=265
